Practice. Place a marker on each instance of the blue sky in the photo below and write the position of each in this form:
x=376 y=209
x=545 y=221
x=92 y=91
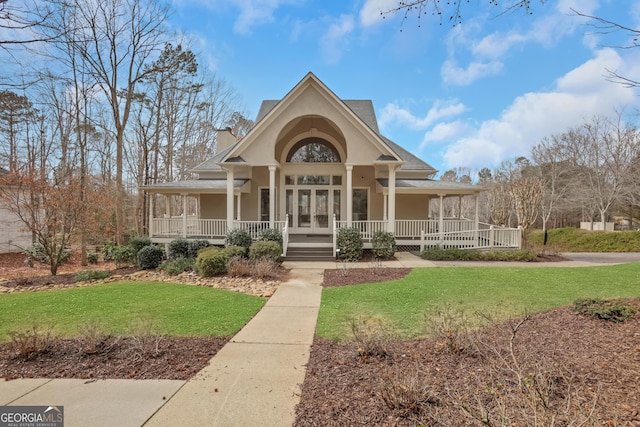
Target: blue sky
x=466 y=96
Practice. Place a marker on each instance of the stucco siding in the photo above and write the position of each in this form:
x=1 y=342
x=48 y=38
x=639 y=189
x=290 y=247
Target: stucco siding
x=13 y=236
x=311 y=103
x=412 y=206
x=213 y=206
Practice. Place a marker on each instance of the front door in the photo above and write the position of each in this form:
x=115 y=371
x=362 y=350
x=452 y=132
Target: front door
x=312 y=213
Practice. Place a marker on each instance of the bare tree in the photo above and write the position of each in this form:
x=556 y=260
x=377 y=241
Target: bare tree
x=604 y=152
x=451 y=11
x=552 y=166
x=115 y=40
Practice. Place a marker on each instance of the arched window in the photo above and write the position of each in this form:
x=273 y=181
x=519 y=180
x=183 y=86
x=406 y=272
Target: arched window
x=313 y=150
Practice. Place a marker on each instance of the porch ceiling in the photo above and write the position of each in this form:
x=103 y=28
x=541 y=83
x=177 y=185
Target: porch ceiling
x=429 y=186
x=199 y=186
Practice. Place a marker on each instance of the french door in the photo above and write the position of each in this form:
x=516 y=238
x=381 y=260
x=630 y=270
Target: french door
x=310 y=209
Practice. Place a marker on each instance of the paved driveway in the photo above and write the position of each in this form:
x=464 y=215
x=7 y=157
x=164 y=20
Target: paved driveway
x=603 y=258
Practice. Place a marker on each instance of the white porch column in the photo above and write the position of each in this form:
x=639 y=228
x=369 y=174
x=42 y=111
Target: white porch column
x=391 y=216
x=459 y=207
x=151 y=205
x=349 y=168
x=184 y=215
x=477 y=218
x=272 y=196
x=230 y=197
x=385 y=208
x=441 y=218
x=167 y=205
x=238 y=206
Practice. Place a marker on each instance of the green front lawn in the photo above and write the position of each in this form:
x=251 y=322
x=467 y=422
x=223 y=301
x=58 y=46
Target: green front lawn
x=120 y=308
x=502 y=292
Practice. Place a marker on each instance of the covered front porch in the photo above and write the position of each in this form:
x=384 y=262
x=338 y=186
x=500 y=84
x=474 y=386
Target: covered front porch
x=415 y=234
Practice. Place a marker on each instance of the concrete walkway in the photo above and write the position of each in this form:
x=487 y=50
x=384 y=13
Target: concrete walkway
x=253 y=380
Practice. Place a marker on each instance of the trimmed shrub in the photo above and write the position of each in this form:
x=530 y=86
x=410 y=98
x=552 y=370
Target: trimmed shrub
x=614 y=310
x=178 y=265
x=451 y=254
x=383 y=244
x=349 y=243
x=455 y=254
x=271 y=235
x=137 y=243
x=107 y=250
x=238 y=237
x=86 y=275
x=211 y=262
x=186 y=248
x=266 y=250
x=233 y=251
x=195 y=246
x=93 y=257
x=150 y=257
x=178 y=248
x=123 y=255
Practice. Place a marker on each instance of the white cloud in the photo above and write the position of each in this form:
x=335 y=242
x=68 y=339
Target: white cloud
x=333 y=42
x=443 y=132
x=487 y=52
x=451 y=73
x=252 y=12
x=370 y=13
x=578 y=96
x=394 y=114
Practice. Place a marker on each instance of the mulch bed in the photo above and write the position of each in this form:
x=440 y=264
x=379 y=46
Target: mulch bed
x=592 y=361
x=176 y=358
x=354 y=276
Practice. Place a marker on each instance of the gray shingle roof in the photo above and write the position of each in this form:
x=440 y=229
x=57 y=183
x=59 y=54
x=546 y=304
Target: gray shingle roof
x=431 y=184
x=363 y=108
x=195 y=184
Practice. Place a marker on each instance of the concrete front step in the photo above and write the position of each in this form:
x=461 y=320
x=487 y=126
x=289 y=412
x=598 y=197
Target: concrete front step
x=309 y=254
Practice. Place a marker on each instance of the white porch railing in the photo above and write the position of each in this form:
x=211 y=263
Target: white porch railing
x=175 y=227
x=255 y=227
x=493 y=237
x=204 y=228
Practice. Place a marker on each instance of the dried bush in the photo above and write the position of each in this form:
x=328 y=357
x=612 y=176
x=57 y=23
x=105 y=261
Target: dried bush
x=145 y=340
x=517 y=386
x=93 y=340
x=29 y=343
x=373 y=336
x=264 y=268
x=239 y=267
x=452 y=329
x=407 y=393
